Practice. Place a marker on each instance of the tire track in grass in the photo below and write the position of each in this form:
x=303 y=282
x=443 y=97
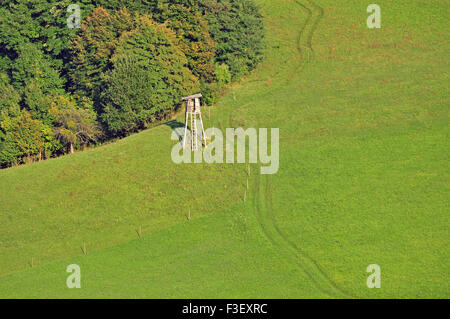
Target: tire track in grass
x=262 y=199
x=262 y=204
x=303 y=59
x=315 y=14
x=305 y=36
x=303 y=44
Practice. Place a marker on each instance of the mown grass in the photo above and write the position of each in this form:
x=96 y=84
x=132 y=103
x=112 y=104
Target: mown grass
x=101 y=197
x=363 y=179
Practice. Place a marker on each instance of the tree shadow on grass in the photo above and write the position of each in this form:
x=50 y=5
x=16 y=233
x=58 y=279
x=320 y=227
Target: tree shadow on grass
x=177 y=127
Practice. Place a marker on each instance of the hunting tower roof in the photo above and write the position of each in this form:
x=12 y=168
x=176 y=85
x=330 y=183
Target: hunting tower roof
x=191 y=97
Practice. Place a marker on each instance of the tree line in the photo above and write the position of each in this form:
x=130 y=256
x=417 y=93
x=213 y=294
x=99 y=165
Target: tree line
x=124 y=68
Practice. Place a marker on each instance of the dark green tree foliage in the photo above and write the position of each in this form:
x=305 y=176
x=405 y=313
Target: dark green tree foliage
x=37 y=102
x=132 y=60
x=9 y=98
x=42 y=22
x=36 y=80
x=32 y=66
x=93 y=48
x=148 y=77
x=183 y=17
x=17 y=25
x=237 y=28
x=193 y=36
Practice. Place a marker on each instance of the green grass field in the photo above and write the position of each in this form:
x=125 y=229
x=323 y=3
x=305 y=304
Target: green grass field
x=363 y=178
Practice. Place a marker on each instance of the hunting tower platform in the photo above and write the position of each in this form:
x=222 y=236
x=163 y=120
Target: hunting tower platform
x=194 y=114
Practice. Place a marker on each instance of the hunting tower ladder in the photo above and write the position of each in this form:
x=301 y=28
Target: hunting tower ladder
x=194 y=114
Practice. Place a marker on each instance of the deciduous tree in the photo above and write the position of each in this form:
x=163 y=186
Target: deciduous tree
x=148 y=77
x=73 y=125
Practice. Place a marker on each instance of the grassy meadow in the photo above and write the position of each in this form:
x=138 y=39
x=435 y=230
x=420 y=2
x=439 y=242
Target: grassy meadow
x=363 y=178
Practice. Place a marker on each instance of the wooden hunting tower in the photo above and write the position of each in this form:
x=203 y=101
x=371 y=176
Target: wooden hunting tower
x=194 y=114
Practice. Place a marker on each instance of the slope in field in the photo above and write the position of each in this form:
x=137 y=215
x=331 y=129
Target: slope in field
x=363 y=125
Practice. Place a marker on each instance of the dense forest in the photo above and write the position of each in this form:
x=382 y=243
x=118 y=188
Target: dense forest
x=66 y=83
